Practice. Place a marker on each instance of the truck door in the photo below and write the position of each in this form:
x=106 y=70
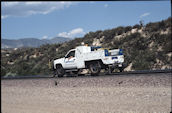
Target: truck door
x=70 y=60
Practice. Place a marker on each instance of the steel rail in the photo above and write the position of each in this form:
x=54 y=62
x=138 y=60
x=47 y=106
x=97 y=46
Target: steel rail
x=88 y=75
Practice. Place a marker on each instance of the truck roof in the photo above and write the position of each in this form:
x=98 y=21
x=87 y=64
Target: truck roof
x=86 y=49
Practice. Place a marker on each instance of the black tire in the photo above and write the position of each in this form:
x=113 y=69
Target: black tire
x=60 y=71
x=110 y=70
x=95 y=68
x=121 y=69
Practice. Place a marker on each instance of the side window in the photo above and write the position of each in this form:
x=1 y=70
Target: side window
x=71 y=54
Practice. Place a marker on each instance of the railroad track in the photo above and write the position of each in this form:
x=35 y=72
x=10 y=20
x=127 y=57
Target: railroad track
x=88 y=75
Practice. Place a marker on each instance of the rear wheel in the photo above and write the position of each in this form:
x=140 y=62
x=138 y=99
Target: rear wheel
x=95 y=68
x=60 y=71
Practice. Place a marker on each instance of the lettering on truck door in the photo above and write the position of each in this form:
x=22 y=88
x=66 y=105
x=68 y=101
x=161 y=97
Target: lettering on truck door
x=70 y=60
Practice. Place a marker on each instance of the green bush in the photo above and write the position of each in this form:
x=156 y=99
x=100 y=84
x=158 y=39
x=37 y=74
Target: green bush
x=136 y=49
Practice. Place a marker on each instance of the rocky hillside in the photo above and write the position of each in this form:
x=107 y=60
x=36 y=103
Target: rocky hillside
x=145 y=47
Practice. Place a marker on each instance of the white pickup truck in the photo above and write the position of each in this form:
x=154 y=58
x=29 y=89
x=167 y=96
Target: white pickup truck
x=93 y=58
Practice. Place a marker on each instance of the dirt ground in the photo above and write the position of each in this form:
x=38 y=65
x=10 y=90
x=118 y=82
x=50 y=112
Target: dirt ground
x=141 y=93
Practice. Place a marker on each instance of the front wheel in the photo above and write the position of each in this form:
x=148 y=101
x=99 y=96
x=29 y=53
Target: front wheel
x=60 y=71
x=95 y=68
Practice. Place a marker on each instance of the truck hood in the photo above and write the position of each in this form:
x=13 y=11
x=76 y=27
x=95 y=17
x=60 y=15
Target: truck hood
x=60 y=60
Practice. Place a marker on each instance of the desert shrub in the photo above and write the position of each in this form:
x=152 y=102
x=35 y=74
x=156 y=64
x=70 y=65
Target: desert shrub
x=135 y=47
x=136 y=26
x=128 y=28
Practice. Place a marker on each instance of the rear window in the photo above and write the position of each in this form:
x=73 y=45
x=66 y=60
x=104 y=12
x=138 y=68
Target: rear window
x=95 y=48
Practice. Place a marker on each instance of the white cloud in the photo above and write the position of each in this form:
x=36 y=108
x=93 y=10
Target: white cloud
x=2 y=17
x=9 y=4
x=9 y=9
x=45 y=37
x=106 y=5
x=76 y=31
x=144 y=15
x=73 y=33
x=63 y=34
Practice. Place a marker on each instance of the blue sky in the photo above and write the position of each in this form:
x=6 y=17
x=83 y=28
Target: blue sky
x=74 y=19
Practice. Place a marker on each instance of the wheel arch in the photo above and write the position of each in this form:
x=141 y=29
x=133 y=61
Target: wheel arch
x=58 y=65
x=87 y=63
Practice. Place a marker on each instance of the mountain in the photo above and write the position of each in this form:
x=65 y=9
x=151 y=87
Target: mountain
x=145 y=47
x=30 y=42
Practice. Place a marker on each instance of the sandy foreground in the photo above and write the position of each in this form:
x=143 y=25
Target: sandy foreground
x=144 y=93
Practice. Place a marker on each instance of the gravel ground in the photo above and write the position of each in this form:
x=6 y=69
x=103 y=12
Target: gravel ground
x=140 y=93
